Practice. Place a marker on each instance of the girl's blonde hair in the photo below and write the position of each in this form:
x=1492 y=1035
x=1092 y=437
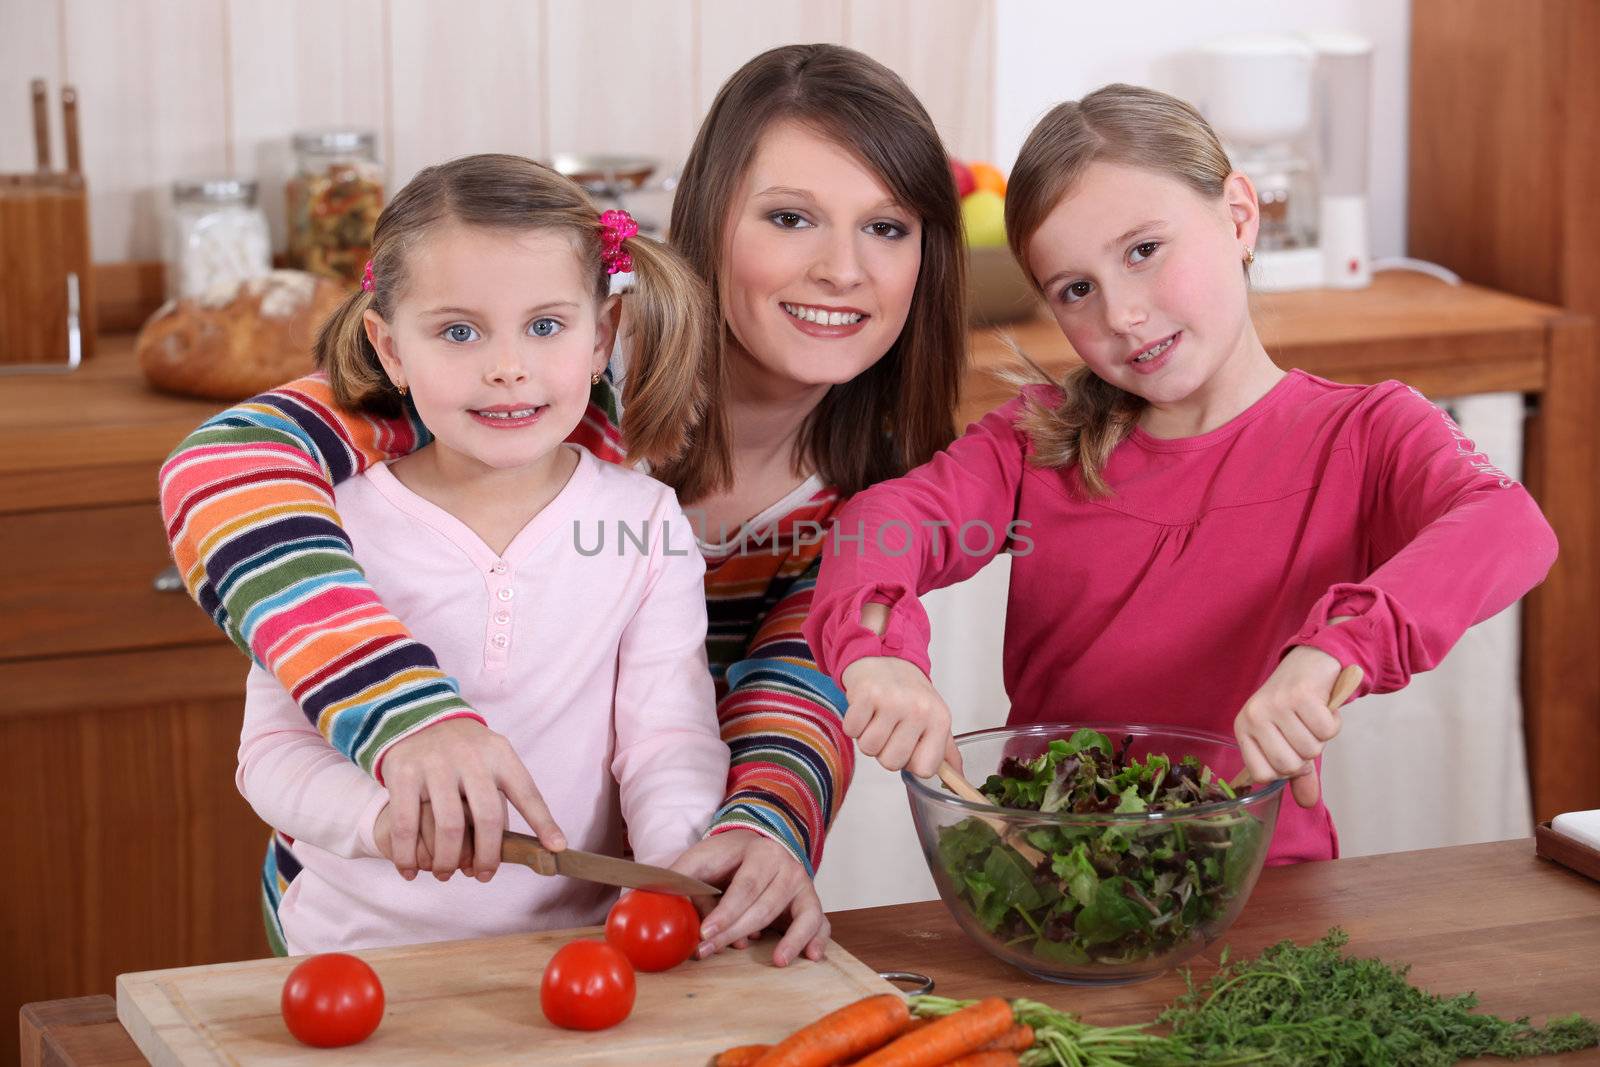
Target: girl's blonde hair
x=668 y=334
x=897 y=413
x=1124 y=124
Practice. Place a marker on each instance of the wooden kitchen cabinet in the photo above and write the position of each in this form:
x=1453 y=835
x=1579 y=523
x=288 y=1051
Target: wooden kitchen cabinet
x=1504 y=149
x=127 y=844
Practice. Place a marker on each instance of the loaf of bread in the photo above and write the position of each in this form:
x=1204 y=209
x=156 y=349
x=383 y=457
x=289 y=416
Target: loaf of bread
x=232 y=344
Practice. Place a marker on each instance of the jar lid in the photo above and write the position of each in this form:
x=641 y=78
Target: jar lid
x=333 y=141
x=215 y=190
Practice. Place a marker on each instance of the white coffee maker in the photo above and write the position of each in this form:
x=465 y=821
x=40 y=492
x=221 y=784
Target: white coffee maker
x=1294 y=114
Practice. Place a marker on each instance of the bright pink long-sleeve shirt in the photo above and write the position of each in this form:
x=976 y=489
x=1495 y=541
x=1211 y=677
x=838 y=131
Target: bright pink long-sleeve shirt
x=583 y=645
x=1172 y=600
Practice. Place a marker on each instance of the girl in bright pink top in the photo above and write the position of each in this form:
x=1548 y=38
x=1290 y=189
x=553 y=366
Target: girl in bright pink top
x=1198 y=537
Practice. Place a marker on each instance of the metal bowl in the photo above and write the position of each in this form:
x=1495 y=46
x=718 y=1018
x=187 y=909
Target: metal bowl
x=606 y=175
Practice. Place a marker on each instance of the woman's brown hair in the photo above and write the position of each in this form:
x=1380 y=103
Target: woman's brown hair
x=669 y=334
x=1124 y=124
x=900 y=411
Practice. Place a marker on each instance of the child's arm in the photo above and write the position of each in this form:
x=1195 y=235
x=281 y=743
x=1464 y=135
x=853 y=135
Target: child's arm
x=933 y=527
x=670 y=762
x=951 y=516
x=1451 y=541
x=296 y=782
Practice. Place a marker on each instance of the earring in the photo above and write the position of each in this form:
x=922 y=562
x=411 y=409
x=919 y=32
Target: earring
x=594 y=379
x=403 y=390
x=1249 y=255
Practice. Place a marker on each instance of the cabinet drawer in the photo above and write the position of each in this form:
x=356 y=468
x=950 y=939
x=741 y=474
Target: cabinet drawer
x=82 y=580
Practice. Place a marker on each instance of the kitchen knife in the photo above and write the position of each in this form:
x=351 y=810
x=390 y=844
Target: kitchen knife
x=593 y=867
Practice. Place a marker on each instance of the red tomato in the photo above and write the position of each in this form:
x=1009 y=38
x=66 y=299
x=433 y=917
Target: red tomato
x=656 y=931
x=588 y=985
x=332 y=1000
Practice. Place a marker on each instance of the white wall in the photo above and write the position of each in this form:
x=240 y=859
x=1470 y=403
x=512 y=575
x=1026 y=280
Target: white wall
x=1048 y=51
x=174 y=89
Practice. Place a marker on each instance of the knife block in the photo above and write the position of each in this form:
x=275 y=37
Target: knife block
x=46 y=281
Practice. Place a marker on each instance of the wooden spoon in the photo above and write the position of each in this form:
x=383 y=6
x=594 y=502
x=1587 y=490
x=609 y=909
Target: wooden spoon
x=1344 y=687
x=962 y=788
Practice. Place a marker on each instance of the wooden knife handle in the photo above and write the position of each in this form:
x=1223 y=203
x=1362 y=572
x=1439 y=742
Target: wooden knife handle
x=520 y=848
x=41 y=124
x=69 y=127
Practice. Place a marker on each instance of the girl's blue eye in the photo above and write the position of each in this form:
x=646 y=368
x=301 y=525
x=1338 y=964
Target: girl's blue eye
x=1076 y=292
x=789 y=220
x=891 y=230
x=1144 y=251
x=460 y=333
x=545 y=327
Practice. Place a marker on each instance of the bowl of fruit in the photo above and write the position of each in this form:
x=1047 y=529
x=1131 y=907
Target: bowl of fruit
x=997 y=289
x=1100 y=854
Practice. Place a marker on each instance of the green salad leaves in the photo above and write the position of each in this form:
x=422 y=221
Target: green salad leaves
x=1107 y=892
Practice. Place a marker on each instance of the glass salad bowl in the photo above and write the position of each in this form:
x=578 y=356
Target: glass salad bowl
x=1118 y=850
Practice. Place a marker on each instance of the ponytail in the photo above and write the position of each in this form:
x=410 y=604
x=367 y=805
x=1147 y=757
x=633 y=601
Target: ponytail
x=675 y=369
x=344 y=352
x=1091 y=419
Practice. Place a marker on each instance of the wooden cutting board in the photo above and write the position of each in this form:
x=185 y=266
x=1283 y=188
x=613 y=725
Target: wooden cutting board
x=478 y=1002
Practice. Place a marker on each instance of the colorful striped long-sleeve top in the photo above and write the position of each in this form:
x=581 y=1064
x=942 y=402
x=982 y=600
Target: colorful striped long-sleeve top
x=248 y=503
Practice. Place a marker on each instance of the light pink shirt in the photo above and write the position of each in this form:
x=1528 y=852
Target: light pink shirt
x=591 y=663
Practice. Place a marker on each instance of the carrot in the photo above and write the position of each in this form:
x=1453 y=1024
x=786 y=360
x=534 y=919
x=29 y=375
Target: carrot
x=742 y=1056
x=852 y=1030
x=990 y=1058
x=1017 y=1039
x=950 y=1037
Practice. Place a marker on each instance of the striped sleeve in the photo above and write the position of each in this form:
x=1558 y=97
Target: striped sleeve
x=248 y=504
x=782 y=719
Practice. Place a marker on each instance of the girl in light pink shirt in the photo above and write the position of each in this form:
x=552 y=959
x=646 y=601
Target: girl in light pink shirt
x=1198 y=537
x=565 y=593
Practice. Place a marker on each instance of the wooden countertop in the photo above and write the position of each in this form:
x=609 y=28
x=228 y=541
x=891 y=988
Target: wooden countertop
x=1522 y=932
x=1446 y=340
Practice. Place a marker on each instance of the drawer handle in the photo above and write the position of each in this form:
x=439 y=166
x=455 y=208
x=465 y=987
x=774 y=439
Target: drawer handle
x=169 y=581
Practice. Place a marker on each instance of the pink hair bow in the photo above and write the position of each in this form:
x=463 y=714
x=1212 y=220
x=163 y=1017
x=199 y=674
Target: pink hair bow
x=615 y=228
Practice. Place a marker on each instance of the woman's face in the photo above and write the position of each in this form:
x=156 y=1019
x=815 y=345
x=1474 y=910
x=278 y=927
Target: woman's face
x=1144 y=277
x=819 y=261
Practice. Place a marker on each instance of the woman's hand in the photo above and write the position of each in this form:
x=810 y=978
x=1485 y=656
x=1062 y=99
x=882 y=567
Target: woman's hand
x=762 y=884
x=434 y=770
x=1287 y=723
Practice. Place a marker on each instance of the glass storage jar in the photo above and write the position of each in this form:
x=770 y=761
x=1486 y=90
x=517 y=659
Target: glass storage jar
x=334 y=199
x=217 y=237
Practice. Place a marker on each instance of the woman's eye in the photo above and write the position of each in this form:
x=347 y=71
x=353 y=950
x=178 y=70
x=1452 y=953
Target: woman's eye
x=1144 y=251
x=789 y=220
x=544 y=327
x=460 y=333
x=1076 y=292
x=890 y=230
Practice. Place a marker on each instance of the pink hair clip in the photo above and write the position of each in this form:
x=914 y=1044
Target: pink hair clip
x=615 y=228
x=367 y=284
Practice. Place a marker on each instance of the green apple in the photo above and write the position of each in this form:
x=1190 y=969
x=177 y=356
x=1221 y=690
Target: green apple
x=983 y=216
